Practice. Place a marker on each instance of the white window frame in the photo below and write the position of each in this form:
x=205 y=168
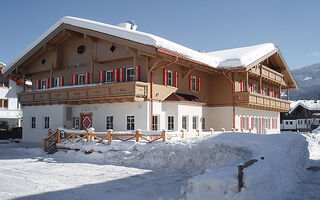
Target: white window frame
x=81 y=77
x=203 y=123
x=170 y=123
x=194 y=122
x=129 y=76
x=109 y=122
x=194 y=83
x=56 y=82
x=170 y=78
x=42 y=84
x=130 y=122
x=184 y=125
x=155 y=126
x=33 y=123
x=112 y=75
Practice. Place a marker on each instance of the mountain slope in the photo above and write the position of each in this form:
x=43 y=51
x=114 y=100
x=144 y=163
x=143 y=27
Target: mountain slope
x=308 y=80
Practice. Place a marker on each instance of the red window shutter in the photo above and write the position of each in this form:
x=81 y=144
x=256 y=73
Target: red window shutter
x=241 y=85
x=276 y=120
x=252 y=123
x=139 y=73
x=190 y=82
x=61 y=81
x=164 y=77
x=241 y=123
x=247 y=122
x=176 y=79
x=114 y=75
x=199 y=83
x=123 y=74
x=118 y=75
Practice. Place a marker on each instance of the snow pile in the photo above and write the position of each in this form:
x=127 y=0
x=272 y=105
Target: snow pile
x=285 y=156
x=314 y=143
x=307 y=104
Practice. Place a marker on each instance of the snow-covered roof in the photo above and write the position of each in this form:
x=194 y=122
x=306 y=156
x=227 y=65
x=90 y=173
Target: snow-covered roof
x=1 y=63
x=241 y=57
x=307 y=104
x=136 y=36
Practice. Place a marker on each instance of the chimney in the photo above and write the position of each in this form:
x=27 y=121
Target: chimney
x=130 y=25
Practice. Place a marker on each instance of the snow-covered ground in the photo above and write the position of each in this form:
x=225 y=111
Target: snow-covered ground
x=193 y=168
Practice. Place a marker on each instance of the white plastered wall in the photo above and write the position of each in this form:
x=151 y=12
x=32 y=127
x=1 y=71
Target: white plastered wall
x=219 y=117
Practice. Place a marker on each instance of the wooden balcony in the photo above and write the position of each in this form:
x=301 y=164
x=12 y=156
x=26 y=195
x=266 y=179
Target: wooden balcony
x=258 y=101
x=88 y=94
x=268 y=74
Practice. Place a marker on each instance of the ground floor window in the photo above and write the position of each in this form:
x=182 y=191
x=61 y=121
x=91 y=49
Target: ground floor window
x=109 y=122
x=130 y=122
x=256 y=124
x=194 y=122
x=33 y=122
x=170 y=123
x=203 y=123
x=155 y=123
x=76 y=122
x=46 y=122
x=184 y=122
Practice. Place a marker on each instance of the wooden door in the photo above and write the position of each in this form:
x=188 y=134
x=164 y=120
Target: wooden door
x=86 y=121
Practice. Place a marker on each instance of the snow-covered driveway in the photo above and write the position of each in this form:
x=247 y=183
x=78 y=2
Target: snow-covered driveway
x=34 y=176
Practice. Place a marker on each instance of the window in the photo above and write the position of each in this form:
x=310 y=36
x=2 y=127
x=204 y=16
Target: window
x=56 y=82
x=184 y=122
x=155 y=123
x=4 y=82
x=170 y=78
x=194 y=122
x=256 y=124
x=266 y=123
x=194 y=83
x=81 y=49
x=43 y=84
x=130 y=74
x=266 y=91
x=170 y=123
x=33 y=122
x=203 y=123
x=130 y=122
x=76 y=122
x=287 y=122
x=109 y=122
x=290 y=122
x=69 y=113
x=255 y=88
x=109 y=76
x=46 y=123
x=4 y=103
x=81 y=79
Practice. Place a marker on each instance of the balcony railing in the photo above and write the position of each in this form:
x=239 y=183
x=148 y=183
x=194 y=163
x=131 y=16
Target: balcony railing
x=93 y=93
x=259 y=101
x=268 y=74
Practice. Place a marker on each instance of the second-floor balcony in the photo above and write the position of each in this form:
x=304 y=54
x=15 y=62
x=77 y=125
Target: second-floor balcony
x=259 y=101
x=86 y=94
x=268 y=74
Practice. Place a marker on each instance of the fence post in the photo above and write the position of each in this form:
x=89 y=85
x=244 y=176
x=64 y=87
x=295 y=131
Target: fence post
x=44 y=144
x=109 y=136
x=250 y=130
x=211 y=130
x=49 y=132
x=198 y=133
x=183 y=133
x=164 y=135
x=242 y=130
x=233 y=130
x=58 y=136
x=223 y=130
x=240 y=177
x=137 y=135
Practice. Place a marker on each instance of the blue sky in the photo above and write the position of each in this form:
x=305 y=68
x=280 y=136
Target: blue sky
x=201 y=25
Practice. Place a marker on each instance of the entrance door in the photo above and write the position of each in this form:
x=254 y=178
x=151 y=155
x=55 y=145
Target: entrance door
x=86 y=121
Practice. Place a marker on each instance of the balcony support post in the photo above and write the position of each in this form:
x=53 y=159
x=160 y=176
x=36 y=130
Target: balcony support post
x=247 y=81
x=260 y=80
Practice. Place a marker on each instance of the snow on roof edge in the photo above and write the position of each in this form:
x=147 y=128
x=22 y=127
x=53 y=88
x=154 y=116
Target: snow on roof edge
x=136 y=36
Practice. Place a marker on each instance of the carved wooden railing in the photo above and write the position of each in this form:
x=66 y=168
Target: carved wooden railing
x=268 y=74
x=262 y=101
x=96 y=92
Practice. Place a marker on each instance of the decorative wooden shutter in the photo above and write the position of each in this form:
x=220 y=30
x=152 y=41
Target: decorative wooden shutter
x=252 y=123
x=114 y=75
x=190 y=82
x=118 y=75
x=241 y=122
x=139 y=73
x=199 y=83
x=123 y=74
x=164 y=77
x=241 y=85
x=176 y=79
x=247 y=123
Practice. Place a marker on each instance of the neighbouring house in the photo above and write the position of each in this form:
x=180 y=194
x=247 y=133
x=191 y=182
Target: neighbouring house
x=86 y=73
x=10 y=108
x=304 y=115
